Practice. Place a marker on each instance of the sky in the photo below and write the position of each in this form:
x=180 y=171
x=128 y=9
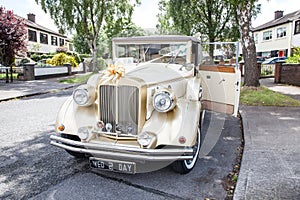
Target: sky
x=145 y=14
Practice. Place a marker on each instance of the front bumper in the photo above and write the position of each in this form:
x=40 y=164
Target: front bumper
x=119 y=152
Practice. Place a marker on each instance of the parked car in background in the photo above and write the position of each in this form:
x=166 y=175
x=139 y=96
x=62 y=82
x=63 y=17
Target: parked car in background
x=260 y=59
x=273 y=60
x=145 y=111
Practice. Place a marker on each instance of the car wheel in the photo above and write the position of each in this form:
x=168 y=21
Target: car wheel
x=185 y=166
x=72 y=153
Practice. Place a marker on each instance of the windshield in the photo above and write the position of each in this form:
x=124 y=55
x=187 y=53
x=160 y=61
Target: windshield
x=157 y=53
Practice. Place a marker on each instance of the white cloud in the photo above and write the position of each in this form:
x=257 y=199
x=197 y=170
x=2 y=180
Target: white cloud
x=269 y=7
x=22 y=8
x=145 y=14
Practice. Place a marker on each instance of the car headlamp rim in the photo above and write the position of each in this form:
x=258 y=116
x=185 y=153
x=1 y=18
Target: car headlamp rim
x=164 y=100
x=84 y=95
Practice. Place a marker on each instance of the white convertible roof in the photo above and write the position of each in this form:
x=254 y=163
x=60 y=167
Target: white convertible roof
x=155 y=39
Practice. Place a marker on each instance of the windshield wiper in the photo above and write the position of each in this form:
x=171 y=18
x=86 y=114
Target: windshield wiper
x=173 y=58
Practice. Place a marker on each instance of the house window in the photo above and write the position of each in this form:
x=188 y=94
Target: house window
x=32 y=35
x=70 y=47
x=54 y=40
x=267 y=35
x=281 y=32
x=297 y=27
x=61 y=42
x=256 y=38
x=43 y=38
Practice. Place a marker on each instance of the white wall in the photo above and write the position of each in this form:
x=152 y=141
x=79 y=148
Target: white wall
x=295 y=38
x=45 y=48
x=275 y=43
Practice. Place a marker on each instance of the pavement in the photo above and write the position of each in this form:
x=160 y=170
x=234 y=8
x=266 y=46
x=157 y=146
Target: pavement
x=20 y=89
x=270 y=167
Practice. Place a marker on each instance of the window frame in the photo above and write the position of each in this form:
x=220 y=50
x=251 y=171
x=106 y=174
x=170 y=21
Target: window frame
x=255 y=36
x=44 y=38
x=70 y=47
x=53 y=40
x=34 y=38
x=61 y=42
x=281 y=34
x=297 y=27
x=267 y=38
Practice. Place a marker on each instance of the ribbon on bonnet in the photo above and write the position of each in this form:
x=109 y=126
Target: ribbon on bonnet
x=114 y=72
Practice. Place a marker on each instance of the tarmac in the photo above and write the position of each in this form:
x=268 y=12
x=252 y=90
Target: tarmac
x=270 y=167
x=21 y=89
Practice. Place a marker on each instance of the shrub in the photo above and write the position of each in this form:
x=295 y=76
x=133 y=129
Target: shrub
x=35 y=57
x=46 y=56
x=61 y=58
x=75 y=55
x=84 y=56
x=72 y=61
x=296 y=56
x=293 y=59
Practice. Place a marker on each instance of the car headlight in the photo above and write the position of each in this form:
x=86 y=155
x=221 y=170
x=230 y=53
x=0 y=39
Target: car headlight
x=84 y=95
x=164 y=100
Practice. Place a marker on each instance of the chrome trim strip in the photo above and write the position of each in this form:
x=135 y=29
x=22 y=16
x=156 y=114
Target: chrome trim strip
x=114 y=151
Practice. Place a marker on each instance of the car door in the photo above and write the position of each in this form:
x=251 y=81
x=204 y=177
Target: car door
x=221 y=88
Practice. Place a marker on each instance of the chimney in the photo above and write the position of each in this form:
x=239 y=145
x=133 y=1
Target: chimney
x=31 y=17
x=278 y=14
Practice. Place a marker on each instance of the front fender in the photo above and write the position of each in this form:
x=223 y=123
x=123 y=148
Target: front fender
x=182 y=121
x=72 y=116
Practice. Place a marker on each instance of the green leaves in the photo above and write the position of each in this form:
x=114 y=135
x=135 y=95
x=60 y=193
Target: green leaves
x=89 y=17
x=296 y=56
x=213 y=19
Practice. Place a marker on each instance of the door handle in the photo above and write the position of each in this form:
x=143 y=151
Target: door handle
x=222 y=81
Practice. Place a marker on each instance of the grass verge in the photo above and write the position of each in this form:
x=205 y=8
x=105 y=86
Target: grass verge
x=262 y=96
x=3 y=76
x=77 y=79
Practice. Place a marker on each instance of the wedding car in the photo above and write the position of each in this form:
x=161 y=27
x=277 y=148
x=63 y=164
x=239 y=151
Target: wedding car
x=145 y=111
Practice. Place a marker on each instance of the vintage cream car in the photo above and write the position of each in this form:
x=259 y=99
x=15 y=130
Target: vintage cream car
x=144 y=111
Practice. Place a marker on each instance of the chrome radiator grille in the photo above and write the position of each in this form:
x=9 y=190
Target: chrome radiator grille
x=119 y=106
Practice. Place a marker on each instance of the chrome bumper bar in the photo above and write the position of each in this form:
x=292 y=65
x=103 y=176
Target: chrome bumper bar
x=115 y=151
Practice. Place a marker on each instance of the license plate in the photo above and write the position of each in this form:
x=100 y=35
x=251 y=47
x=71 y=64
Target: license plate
x=112 y=165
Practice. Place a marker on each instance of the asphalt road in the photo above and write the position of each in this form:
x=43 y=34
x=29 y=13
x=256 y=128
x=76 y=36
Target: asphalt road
x=30 y=168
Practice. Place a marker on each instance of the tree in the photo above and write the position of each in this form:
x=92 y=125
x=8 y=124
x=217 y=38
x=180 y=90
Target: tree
x=218 y=20
x=214 y=19
x=13 y=34
x=244 y=12
x=122 y=28
x=80 y=43
x=88 y=17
